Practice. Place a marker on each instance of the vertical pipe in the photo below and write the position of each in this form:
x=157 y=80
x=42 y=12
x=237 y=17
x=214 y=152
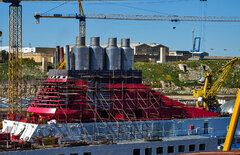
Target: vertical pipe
x=61 y=55
x=67 y=58
x=55 y=60
x=57 y=56
x=233 y=124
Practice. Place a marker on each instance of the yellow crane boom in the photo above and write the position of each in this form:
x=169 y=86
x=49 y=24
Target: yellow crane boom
x=232 y=124
x=210 y=90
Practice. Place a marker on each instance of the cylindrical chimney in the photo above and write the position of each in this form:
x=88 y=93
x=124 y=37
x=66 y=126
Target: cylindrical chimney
x=57 y=56
x=127 y=55
x=95 y=41
x=81 y=55
x=67 y=58
x=113 y=55
x=125 y=42
x=96 y=54
x=80 y=41
x=61 y=55
x=112 y=41
x=55 y=60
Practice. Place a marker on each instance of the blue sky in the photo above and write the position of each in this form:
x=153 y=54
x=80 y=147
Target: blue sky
x=52 y=32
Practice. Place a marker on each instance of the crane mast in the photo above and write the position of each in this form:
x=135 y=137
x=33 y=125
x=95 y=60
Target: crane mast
x=15 y=59
x=82 y=21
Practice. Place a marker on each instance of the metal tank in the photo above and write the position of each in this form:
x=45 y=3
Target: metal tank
x=81 y=55
x=96 y=54
x=127 y=55
x=227 y=107
x=113 y=55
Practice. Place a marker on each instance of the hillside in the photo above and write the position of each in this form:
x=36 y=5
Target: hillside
x=155 y=74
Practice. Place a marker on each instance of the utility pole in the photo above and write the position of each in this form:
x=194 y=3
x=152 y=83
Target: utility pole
x=193 y=41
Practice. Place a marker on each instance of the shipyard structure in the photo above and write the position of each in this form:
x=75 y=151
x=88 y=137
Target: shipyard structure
x=99 y=99
x=102 y=85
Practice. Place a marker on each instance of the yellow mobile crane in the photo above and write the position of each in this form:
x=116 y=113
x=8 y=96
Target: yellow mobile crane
x=207 y=97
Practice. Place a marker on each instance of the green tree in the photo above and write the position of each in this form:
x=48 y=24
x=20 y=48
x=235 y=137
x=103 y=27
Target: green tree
x=4 y=55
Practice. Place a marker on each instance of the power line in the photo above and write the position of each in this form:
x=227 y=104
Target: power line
x=125 y=5
x=56 y=7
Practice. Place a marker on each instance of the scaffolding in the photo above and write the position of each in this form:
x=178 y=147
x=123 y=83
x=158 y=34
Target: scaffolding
x=115 y=103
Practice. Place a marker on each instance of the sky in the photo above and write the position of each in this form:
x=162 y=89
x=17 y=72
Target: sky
x=218 y=39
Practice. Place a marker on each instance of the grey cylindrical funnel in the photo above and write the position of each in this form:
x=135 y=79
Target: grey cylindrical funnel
x=125 y=42
x=112 y=41
x=96 y=54
x=80 y=41
x=95 y=41
x=113 y=55
x=127 y=55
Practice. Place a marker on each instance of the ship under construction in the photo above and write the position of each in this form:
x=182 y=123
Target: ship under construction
x=98 y=105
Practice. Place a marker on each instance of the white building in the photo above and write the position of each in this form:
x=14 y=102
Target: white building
x=24 y=49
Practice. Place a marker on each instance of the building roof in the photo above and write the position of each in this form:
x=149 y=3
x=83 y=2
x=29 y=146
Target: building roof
x=133 y=45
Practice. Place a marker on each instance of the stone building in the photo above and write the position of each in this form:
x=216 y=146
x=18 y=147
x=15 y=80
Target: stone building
x=150 y=52
x=36 y=53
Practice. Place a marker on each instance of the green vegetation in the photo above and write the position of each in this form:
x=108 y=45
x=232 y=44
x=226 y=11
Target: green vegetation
x=3 y=56
x=153 y=73
x=169 y=72
x=31 y=70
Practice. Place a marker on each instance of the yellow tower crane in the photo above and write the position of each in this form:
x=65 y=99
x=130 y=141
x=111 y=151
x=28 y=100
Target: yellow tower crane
x=208 y=95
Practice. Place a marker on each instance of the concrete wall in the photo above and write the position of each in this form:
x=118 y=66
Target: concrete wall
x=30 y=88
x=37 y=57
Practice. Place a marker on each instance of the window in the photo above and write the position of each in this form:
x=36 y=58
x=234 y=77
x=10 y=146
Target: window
x=170 y=149
x=136 y=152
x=181 y=148
x=202 y=147
x=191 y=148
x=206 y=128
x=159 y=150
x=87 y=153
x=148 y=151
